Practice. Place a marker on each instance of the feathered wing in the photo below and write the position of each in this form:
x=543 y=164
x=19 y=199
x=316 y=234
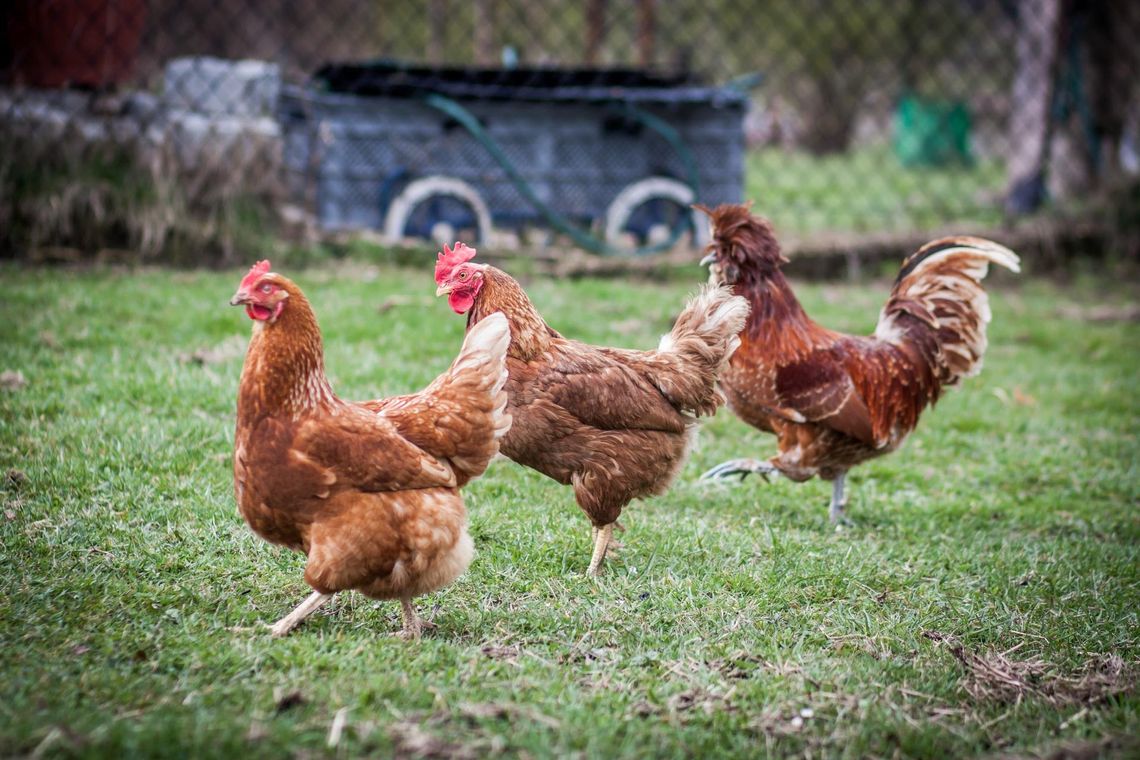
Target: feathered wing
x=939 y=291
x=689 y=358
x=363 y=451
x=618 y=389
x=818 y=388
x=602 y=388
x=461 y=416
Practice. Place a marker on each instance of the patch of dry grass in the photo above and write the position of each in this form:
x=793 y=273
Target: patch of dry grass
x=74 y=201
x=1000 y=677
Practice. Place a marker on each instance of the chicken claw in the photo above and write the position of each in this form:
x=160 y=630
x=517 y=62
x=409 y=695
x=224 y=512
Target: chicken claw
x=286 y=624
x=741 y=467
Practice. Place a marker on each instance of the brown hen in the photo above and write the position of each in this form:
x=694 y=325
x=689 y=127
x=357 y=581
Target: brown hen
x=612 y=423
x=835 y=400
x=368 y=492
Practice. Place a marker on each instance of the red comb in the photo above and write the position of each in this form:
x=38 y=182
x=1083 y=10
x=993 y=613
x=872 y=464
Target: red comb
x=255 y=272
x=450 y=258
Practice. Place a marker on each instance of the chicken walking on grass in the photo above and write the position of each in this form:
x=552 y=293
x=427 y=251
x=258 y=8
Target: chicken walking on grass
x=614 y=424
x=368 y=492
x=835 y=400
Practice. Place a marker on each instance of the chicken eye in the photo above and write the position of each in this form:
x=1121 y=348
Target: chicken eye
x=266 y=288
x=463 y=275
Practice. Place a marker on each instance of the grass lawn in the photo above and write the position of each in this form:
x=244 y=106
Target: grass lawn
x=869 y=189
x=734 y=621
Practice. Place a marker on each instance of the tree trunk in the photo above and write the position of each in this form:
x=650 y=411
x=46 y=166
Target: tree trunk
x=484 y=36
x=595 y=30
x=1114 y=61
x=1031 y=101
x=646 y=32
x=437 y=25
x=833 y=103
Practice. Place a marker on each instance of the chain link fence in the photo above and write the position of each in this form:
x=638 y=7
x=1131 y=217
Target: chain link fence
x=196 y=130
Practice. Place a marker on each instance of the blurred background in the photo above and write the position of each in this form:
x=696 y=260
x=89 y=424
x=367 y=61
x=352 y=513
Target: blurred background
x=210 y=131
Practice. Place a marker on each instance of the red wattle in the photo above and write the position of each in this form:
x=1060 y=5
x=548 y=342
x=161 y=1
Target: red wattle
x=257 y=312
x=460 y=300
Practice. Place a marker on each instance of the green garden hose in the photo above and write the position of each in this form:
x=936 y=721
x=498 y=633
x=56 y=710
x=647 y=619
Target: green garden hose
x=557 y=221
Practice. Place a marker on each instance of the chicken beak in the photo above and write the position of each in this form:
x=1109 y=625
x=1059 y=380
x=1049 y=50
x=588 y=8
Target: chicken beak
x=708 y=259
x=443 y=290
x=240 y=297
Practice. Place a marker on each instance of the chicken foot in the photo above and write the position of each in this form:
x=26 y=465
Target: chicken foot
x=741 y=467
x=286 y=624
x=602 y=537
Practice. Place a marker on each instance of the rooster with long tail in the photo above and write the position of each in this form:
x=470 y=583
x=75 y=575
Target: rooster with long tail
x=835 y=400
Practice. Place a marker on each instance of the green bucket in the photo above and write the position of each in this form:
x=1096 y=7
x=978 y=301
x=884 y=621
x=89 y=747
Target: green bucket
x=931 y=133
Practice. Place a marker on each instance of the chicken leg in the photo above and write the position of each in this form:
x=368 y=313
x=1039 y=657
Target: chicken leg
x=838 y=501
x=741 y=467
x=286 y=624
x=413 y=626
x=602 y=537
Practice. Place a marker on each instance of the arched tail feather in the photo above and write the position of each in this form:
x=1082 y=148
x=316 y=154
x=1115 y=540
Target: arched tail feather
x=938 y=304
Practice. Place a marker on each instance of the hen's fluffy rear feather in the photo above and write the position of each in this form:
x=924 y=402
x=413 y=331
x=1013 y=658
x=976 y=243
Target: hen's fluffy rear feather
x=702 y=340
x=444 y=418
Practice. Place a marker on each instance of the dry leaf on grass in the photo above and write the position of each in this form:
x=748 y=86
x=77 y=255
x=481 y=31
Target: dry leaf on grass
x=510 y=653
x=578 y=653
x=413 y=741
x=700 y=698
x=644 y=709
x=736 y=666
x=288 y=701
x=12 y=380
x=16 y=478
x=506 y=710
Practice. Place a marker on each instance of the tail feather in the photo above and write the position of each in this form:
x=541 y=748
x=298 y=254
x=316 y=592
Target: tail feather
x=484 y=352
x=462 y=416
x=938 y=302
x=702 y=340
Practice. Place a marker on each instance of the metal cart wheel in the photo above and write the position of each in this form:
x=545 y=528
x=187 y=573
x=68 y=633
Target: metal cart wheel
x=649 y=209
x=437 y=208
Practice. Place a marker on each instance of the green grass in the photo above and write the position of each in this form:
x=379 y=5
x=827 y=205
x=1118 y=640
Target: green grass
x=1009 y=518
x=869 y=190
